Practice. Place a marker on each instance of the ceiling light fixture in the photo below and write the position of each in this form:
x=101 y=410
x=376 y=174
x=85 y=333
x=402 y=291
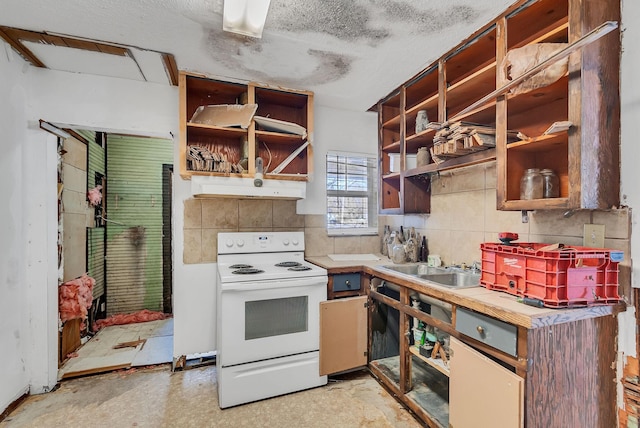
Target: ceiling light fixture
x=246 y=17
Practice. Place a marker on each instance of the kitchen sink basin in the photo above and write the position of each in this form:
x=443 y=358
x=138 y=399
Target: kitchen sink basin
x=446 y=277
x=454 y=279
x=415 y=269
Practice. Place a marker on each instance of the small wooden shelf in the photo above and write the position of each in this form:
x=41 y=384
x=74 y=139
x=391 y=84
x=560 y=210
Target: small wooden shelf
x=392 y=123
x=392 y=176
x=392 y=148
x=279 y=138
x=236 y=145
x=200 y=129
x=541 y=143
x=436 y=363
x=459 y=162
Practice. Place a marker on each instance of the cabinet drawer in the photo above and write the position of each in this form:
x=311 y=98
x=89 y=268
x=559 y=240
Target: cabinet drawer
x=346 y=282
x=493 y=332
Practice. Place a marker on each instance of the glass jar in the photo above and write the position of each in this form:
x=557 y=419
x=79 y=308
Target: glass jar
x=550 y=184
x=531 y=184
x=421 y=121
x=422 y=158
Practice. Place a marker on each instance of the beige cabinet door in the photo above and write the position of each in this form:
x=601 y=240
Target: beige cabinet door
x=482 y=393
x=343 y=334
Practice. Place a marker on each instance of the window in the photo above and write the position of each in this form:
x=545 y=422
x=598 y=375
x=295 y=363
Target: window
x=352 y=194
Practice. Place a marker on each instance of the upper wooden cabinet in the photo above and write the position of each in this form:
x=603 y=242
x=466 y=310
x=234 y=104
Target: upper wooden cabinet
x=287 y=126
x=585 y=157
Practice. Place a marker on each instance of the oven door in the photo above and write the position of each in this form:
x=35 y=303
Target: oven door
x=268 y=319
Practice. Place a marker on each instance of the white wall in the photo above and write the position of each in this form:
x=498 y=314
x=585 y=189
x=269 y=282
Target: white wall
x=14 y=331
x=630 y=173
x=29 y=321
x=342 y=130
x=630 y=108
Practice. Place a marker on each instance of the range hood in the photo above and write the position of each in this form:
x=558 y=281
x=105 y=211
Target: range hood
x=214 y=186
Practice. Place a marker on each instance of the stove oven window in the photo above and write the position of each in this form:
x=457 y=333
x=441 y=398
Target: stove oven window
x=275 y=317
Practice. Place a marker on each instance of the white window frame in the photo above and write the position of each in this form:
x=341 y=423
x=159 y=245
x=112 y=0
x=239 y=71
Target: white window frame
x=371 y=193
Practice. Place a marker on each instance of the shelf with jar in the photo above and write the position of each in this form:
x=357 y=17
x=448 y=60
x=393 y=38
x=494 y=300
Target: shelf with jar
x=479 y=82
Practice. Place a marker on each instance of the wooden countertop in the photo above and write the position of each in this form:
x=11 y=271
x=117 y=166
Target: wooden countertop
x=497 y=304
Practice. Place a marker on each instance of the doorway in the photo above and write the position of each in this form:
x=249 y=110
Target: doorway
x=127 y=242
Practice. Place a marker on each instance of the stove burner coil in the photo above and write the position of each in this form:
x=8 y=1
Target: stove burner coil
x=299 y=268
x=247 y=271
x=240 y=266
x=288 y=264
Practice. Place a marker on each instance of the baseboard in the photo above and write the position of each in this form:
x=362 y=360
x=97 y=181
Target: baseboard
x=11 y=407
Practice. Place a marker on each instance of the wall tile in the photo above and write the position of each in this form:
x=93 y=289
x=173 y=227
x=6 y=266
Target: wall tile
x=288 y=229
x=415 y=220
x=370 y=244
x=317 y=242
x=192 y=246
x=441 y=210
x=465 y=212
x=617 y=223
x=192 y=214
x=438 y=242
x=501 y=221
x=255 y=213
x=468 y=179
x=440 y=185
x=555 y=223
x=464 y=247
x=220 y=213
x=210 y=244
x=347 y=245
x=284 y=215
x=311 y=220
x=491 y=175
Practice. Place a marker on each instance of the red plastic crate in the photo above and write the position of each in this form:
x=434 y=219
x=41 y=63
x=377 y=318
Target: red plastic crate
x=571 y=276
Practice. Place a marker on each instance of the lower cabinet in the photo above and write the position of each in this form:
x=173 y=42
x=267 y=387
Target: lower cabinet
x=482 y=393
x=487 y=372
x=556 y=370
x=343 y=337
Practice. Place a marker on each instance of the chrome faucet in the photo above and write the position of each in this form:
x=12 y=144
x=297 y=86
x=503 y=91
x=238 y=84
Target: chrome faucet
x=475 y=268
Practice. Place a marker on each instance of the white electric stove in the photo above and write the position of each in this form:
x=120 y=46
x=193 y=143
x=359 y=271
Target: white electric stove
x=267 y=316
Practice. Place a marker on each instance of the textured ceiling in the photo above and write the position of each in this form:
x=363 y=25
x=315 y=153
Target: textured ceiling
x=350 y=53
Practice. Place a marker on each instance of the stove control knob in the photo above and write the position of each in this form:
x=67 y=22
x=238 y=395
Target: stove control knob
x=240 y=243
x=229 y=243
x=285 y=242
x=295 y=242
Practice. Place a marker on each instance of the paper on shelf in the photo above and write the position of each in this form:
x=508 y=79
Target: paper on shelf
x=225 y=115
x=559 y=126
x=269 y=124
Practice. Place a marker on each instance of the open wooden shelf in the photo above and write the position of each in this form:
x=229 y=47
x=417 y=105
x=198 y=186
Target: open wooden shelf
x=436 y=363
x=234 y=144
x=464 y=85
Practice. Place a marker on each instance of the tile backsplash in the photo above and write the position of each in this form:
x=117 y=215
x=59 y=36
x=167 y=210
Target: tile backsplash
x=205 y=217
x=463 y=215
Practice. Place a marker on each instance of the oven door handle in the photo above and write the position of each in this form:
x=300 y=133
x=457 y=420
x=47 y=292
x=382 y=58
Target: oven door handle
x=272 y=284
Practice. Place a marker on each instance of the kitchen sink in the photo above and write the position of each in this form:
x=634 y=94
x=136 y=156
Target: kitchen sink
x=446 y=277
x=415 y=269
x=454 y=279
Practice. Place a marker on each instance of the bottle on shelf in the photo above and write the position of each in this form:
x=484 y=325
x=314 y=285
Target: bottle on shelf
x=424 y=250
x=385 y=240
